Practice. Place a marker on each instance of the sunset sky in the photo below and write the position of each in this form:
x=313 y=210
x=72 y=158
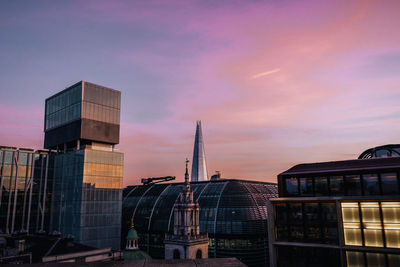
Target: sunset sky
x=275 y=83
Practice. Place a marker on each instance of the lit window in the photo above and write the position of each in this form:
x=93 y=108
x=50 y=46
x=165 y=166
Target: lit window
x=355 y=259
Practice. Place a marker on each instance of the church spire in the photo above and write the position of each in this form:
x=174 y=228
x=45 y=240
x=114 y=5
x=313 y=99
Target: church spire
x=199 y=165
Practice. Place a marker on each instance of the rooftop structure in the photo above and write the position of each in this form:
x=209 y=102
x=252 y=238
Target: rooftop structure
x=80 y=113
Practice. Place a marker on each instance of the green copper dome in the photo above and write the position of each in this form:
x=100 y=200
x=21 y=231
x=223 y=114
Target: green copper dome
x=132 y=234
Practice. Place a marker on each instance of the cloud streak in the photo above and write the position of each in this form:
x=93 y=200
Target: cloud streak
x=262 y=74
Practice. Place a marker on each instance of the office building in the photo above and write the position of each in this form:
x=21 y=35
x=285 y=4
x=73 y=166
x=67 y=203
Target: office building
x=26 y=181
x=339 y=213
x=232 y=212
x=199 y=164
x=82 y=126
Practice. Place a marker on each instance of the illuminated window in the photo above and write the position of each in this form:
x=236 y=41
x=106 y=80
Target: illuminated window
x=391 y=220
x=352 y=234
x=350 y=212
x=376 y=259
x=394 y=260
x=355 y=259
x=392 y=236
x=391 y=212
x=370 y=212
x=373 y=235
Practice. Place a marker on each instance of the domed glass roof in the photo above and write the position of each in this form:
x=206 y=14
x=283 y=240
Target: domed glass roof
x=392 y=150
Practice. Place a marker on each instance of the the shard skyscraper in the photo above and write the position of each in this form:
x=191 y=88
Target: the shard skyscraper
x=199 y=165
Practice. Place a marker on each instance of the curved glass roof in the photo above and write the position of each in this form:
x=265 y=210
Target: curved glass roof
x=392 y=150
x=227 y=207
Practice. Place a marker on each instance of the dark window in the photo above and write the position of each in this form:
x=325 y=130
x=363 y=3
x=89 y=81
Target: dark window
x=292 y=186
x=295 y=212
x=199 y=254
x=371 y=184
x=177 y=255
x=328 y=212
x=280 y=213
x=353 y=185
x=336 y=185
x=311 y=212
x=306 y=186
x=389 y=183
x=321 y=186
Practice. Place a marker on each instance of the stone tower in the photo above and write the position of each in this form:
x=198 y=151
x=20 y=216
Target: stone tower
x=199 y=164
x=186 y=242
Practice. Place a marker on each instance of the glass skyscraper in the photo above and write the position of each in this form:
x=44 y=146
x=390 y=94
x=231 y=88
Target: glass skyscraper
x=82 y=126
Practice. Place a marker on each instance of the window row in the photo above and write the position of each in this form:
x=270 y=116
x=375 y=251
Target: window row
x=63 y=116
x=348 y=185
x=102 y=113
x=369 y=259
x=103 y=96
x=306 y=222
x=63 y=100
x=372 y=224
x=97 y=169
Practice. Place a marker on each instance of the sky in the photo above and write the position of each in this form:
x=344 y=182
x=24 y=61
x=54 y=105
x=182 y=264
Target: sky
x=275 y=83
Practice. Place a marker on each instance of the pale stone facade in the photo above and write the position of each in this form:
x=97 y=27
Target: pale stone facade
x=186 y=242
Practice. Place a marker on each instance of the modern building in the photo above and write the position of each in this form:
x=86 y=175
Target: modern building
x=26 y=181
x=82 y=126
x=199 y=164
x=186 y=242
x=232 y=212
x=339 y=213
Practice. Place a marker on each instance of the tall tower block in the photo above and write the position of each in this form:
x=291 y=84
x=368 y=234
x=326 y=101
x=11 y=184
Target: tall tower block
x=199 y=165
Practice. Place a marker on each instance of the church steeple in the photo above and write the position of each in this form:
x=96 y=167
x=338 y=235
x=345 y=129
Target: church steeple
x=186 y=242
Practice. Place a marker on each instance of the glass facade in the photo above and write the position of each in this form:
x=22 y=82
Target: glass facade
x=365 y=184
x=232 y=212
x=64 y=107
x=371 y=224
x=310 y=222
x=371 y=259
x=88 y=196
x=26 y=179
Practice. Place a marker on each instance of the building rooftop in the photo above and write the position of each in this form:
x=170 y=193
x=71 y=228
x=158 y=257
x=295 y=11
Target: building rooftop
x=220 y=262
x=344 y=165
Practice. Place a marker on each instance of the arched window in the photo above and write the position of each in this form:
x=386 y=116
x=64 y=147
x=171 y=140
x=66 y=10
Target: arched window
x=135 y=243
x=199 y=254
x=177 y=255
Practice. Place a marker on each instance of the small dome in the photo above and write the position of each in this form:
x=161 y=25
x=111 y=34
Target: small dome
x=132 y=234
x=136 y=255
